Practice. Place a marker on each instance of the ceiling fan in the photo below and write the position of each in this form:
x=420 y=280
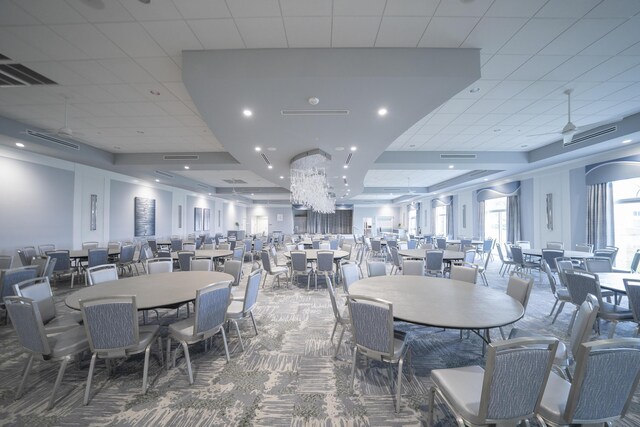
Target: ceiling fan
x=569 y=130
x=65 y=131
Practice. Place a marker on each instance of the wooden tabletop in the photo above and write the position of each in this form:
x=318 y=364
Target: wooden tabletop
x=312 y=254
x=473 y=242
x=152 y=290
x=614 y=281
x=443 y=303
x=211 y=253
x=421 y=254
x=569 y=254
x=84 y=253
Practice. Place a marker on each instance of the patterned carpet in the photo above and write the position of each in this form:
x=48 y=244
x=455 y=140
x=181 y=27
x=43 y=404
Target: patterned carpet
x=285 y=377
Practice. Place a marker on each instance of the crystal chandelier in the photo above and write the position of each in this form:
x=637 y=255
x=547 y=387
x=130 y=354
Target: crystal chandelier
x=309 y=186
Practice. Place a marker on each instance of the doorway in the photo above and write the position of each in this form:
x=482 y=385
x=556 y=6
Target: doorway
x=260 y=225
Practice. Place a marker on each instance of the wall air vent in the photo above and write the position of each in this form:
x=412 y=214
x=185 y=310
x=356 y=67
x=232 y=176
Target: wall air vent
x=314 y=112
x=181 y=157
x=53 y=139
x=588 y=136
x=234 y=181
x=456 y=156
x=19 y=75
x=164 y=174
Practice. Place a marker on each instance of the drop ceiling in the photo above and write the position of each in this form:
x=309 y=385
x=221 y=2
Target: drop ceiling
x=121 y=67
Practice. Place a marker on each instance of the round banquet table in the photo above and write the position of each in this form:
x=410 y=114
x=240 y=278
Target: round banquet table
x=421 y=254
x=443 y=303
x=312 y=254
x=211 y=253
x=84 y=253
x=152 y=290
x=569 y=254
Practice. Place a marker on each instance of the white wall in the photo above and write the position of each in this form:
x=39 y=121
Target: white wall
x=464 y=198
x=233 y=212
x=361 y=212
x=272 y=212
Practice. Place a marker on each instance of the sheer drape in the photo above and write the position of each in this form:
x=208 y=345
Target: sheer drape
x=600 y=231
x=480 y=221
x=449 y=210
x=433 y=220
x=339 y=222
x=513 y=218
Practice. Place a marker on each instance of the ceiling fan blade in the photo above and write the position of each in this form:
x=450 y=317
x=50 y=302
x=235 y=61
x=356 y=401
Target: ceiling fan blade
x=543 y=134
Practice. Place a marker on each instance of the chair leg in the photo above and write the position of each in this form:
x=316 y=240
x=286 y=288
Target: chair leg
x=185 y=347
x=253 y=320
x=27 y=369
x=612 y=328
x=554 y=307
x=239 y=336
x=89 y=378
x=573 y=318
x=558 y=312
x=145 y=369
x=335 y=356
x=226 y=347
x=353 y=367
x=63 y=367
x=333 y=332
x=432 y=395
x=168 y=352
x=160 y=355
x=399 y=385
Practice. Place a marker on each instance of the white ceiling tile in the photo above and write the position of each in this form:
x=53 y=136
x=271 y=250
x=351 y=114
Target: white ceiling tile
x=484 y=106
x=158 y=11
x=92 y=71
x=579 y=36
x=306 y=7
x=514 y=8
x=490 y=34
x=112 y=11
x=507 y=89
x=88 y=39
x=175 y=108
x=202 y=9
x=456 y=106
x=624 y=36
x=162 y=68
x=600 y=91
x=538 y=66
x=447 y=32
x=574 y=67
x=123 y=93
x=254 y=8
x=57 y=72
x=479 y=87
x=135 y=109
x=615 y=9
x=262 y=32
x=511 y=106
x=127 y=70
x=308 y=31
x=132 y=38
x=401 y=31
x=19 y=50
x=535 y=35
x=354 y=31
x=46 y=40
x=631 y=75
x=410 y=7
x=463 y=8
x=172 y=36
x=541 y=107
x=627 y=93
x=594 y=107
x=96 y=109
x=540 y=89
x=610 y=68
x=566 y=9
x=500 y=66
x=51 y=11
x=217 y=33
x=155 y=92
x=11 y=14
x=178 y=90
x=467 y=119
x=358 y=7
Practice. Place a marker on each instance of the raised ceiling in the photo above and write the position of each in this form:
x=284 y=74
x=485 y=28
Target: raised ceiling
x=120 y=64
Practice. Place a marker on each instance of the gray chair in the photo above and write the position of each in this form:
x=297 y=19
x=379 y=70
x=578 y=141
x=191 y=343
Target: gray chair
x=482 y=269
x=635 y=261
x=376 y=249
x=102 y=273
x=508 y=390
x=561 y=295
x=341 y=318
x=125 y=261
x=299 y=266
x=241 y=308
x=412 y=267
x=233 y=268
x=632 y=286
x=200 y=263
x=111 y=324
x=324 y=266
x=434 y=264
x=608 y=252
x=350 y=275
x=27 y=322
x=13 y=276
x=63 y=265
x=163 y=253
x=507 y=263
x=184 y=259
x=465 y=273
x=486 y=248
x=376 y=268
x=555 y=245
x=550 y=255
x=39 y=291
x=5 y=262
x=274 y=271
x=412 y=244
x=144 y=254
x=520 y=263
x=584 y=247
x=257 y=248
x=43 y=249
x=40 y=262
x=396 y=264
x=470 y=256
x=604 y=381
x=441 y=243
x=176 y=245
x=90 y=245
x=96 y=257
x=598 y=265
x=189 y=247
x=158 y=265
x=519 y=288
x=211 y=313
x=374 y=336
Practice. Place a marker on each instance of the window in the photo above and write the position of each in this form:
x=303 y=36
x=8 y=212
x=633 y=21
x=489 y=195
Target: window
x=441 y=220
x=626 y=218
x=495 y=219
x=412 y=221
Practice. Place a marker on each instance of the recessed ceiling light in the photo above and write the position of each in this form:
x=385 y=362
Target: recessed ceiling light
x=344 y=176
x=354 y=148
x=270 y=166
x=346 y=166
x=281 y=177
x=339 y=148
x=252 y=194
x=209 y=193
x=450 y=166
x=272 y=148
x=154 y=92
x=247 y=113
x=486 y=179
x=258 y=149
x=382 y=112
x=474 y=90
x=186 y=167
x=626 y=141
x=157 y=180
x=391 y=194
x=19 y=144
x=346 y=184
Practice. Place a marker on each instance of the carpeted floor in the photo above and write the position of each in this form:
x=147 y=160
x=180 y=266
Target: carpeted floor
x=286 y=376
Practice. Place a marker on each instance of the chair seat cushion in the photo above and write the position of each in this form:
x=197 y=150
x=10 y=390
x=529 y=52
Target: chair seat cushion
x=234 y=311
x=147 y=334
x=563 y=294
x=71 y=341
x=614 y=312
x=461 y=387
x=279 y=270
x=62 y=323
x=554 y=400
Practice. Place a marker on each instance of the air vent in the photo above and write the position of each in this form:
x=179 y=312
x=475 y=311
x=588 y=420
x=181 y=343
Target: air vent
x=165 y=174
x=52 y=139
x=19 y=75
x=346 y=163
x=265 y=158
x=592 y=135
x=234 y=181
x=181 y=157
x=477 y=172
x=315 y=112
x=452 y=156
x=206 y=187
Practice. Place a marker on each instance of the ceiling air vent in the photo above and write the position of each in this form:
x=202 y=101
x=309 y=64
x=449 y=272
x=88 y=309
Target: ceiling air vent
x=53 y=139
x=181 y=157
x=206 y=187
x=234 y=181
x=477 y=172
x=19 y=75
x=165 y=174
x=600 y=132
x=456 y=156
x=346 y=163
x=265 y=158
x=315 y=112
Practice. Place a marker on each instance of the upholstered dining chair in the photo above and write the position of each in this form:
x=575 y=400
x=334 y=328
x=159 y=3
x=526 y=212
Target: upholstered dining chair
x=241 y=308
x=299 y=266
x=341 y=316
x=275 y=271
x=184 y=259
x=63 y=265
x=632 y=286
x=159 y=265
x=434 y=264
x=43 y=249
x=13 y=276
x=412 y=267
x=102 y=273
x=324 y=266
x=560 y=294
x=519 y=287
x=350 y=275
x=465 y=273
x=201 y=263
x=376 y=268
x=234 y=268
x=396 y=264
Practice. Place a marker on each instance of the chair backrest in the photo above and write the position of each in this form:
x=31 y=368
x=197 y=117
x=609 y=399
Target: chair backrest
x=583 y=323
x=350 y=275
x=315 y=244
x=524 y=244
x=145 y=253
x=635 y=261
x=456 y=247
x=515 y=377
x=325 y=261
x=395 y=258
x=500 y=254
x=487 y=245
x=224 y=246
x=507 y=250
x=325 y=246
x=632 y=287
x=184 y=259
x=97 y=256
x=153 y=244
x=544 y=266
x=550 y=256
x=5 y=262
x=90 y=245
x=606 y=253
x=41 y=262
x=63 y=262
x=127 y=253
x=466 y=273
x=201 y=264
x=580 y=284
x=299 y=261
x=51 y=265
x=258 y=244
x=102 y=273
x=598 y=265
x=347 y=248
x=433 y=260
x=334 y=304
x=27 y=322
x=211 y=306
x=372 y=325
x=43 y=249
x=555 y=245
x=376 y=245
x=115 y=245
x=176 y=245
x=470 y=256
x=412 y=267
x=441 y=243
x=111 y=324
x=412 y=244
x=519 y=287
x=238 y=253
x=233 y=268
x=266 y=261
x=39 y=290
x=584 y=247
x=604 y=380
x=251 y=291
x=13 y=276
x=376 y=268
x=516 y=254
x=563 y=264
x=159 y=265
x=188 y=246
x=333 y=244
